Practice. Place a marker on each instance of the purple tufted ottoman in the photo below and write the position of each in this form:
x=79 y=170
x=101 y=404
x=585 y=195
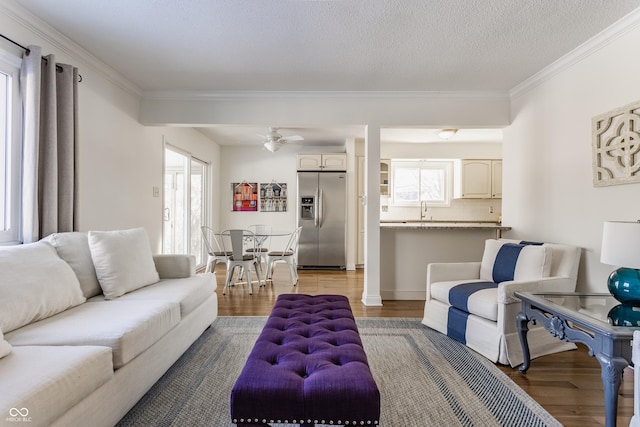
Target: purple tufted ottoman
x=307 y=367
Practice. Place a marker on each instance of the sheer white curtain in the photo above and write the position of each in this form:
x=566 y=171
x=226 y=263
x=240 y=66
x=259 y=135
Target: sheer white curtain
x=49 y=94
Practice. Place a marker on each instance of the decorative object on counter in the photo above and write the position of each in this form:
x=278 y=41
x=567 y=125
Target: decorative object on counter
x=245 y=196
x=621 y=247
x=447 y=134
x=273 y=197
x=616 y=146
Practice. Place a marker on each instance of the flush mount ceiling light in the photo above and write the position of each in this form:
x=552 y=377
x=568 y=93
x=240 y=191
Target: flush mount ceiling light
x=447 y=133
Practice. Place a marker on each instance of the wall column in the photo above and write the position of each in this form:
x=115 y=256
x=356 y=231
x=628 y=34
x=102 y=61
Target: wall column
x=371 y=293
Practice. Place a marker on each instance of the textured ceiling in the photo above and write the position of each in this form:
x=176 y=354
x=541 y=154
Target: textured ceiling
x=329 y=45
x=390 y=45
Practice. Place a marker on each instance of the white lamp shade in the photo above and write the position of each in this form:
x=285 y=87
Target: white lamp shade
x=621 y=244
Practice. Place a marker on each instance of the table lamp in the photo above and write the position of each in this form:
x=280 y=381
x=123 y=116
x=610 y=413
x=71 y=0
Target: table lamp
x=621 y=247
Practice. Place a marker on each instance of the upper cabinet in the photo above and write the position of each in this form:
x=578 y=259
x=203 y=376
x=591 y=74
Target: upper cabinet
x=322 y=162
x=496 y=179
x=309 y=162
x=478 y=179
x=384 y=176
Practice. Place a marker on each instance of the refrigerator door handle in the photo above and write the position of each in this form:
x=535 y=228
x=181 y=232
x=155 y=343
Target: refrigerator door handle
x=316 y=215
x=321 y=208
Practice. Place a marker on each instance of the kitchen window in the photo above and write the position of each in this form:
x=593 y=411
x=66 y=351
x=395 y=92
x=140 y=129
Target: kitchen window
x=10 y=149
x=416 y=181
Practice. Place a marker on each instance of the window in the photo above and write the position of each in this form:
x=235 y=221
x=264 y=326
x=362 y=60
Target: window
x=10 y=149
x=415 y=181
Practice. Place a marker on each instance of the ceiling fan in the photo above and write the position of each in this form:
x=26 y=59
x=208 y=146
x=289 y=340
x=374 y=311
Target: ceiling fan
x=273 y=141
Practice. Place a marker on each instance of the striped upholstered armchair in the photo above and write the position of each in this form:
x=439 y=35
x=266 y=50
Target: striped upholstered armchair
x=474 y=302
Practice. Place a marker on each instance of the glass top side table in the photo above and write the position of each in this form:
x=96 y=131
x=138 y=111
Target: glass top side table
x=587 y=319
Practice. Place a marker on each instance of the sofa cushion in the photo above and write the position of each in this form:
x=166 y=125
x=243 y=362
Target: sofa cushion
x=128 y=327
x=506 y=261
x=123 y=260
x=73 y=247
x=5 y=347
x=45 y=382
x=483 y=303
x=35 y=283
x=189 y=293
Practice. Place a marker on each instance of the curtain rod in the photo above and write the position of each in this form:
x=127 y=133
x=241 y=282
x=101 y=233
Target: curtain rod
x=27 y=51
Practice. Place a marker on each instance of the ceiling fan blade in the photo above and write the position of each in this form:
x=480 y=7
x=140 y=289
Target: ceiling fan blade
x=292 y=138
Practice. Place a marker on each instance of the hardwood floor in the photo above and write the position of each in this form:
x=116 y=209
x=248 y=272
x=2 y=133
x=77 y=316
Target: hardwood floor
x=567 y=384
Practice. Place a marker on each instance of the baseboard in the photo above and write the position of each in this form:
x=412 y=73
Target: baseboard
x=403 y=295
x=372 y=300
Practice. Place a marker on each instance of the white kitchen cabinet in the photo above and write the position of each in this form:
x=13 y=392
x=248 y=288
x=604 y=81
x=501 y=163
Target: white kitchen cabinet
x=478 y=179
x=309 y=162
x=496 y=179
x=337 y=162
x=385 y=170
x=325 y=162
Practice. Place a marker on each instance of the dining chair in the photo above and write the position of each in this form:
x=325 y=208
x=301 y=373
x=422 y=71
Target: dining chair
x=215 y=254
x=233 y=240
x=288 y=255
x=263 y=239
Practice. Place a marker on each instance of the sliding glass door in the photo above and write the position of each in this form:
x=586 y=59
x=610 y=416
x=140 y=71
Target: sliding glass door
x=184 y=203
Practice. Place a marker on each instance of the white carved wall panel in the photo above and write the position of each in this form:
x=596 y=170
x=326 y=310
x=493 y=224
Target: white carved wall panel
x=616 y=146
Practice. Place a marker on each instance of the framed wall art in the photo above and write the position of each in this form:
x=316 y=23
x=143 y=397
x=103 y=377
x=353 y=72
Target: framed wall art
x=273 y=197
x=245 y=196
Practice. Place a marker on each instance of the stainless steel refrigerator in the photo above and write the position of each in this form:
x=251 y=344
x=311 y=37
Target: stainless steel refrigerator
x=322 y=214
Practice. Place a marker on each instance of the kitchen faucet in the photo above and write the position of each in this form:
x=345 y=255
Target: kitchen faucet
x=423 y=210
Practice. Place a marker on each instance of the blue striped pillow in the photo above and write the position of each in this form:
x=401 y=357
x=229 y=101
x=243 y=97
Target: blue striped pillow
x=505 y=260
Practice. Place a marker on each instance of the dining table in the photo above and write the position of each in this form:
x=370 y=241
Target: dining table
x=260 y=238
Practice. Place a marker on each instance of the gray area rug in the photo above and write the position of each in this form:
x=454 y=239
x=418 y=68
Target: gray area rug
x=425 y=379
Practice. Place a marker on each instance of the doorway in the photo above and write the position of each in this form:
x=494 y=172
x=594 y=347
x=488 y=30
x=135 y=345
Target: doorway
x=185 y=203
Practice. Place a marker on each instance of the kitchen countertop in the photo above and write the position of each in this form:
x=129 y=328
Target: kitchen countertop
x=443 y=225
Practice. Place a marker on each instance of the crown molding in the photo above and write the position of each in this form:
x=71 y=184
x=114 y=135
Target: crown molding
x=319 y=95
x=588 y=48
x=65 y=45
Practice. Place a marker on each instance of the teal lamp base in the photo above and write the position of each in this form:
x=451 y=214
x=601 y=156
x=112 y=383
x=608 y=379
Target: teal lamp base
x=624 y=315
x=624 y=285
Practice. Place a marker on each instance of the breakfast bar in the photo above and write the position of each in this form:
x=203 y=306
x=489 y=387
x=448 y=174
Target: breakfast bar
x=407 y=247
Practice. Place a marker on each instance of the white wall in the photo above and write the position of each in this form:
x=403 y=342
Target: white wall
x=256 y=164
x=441 y=150
x=119 y=160
x=549 y=193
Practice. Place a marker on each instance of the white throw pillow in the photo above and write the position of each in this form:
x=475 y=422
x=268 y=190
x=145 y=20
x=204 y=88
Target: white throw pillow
x=123 y=260
x=73 y=247
x=5 y=347
x=34 y=284
x=533 y=262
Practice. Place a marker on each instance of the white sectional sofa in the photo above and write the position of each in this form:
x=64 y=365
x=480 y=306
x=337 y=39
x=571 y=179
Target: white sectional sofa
x=90 y=322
